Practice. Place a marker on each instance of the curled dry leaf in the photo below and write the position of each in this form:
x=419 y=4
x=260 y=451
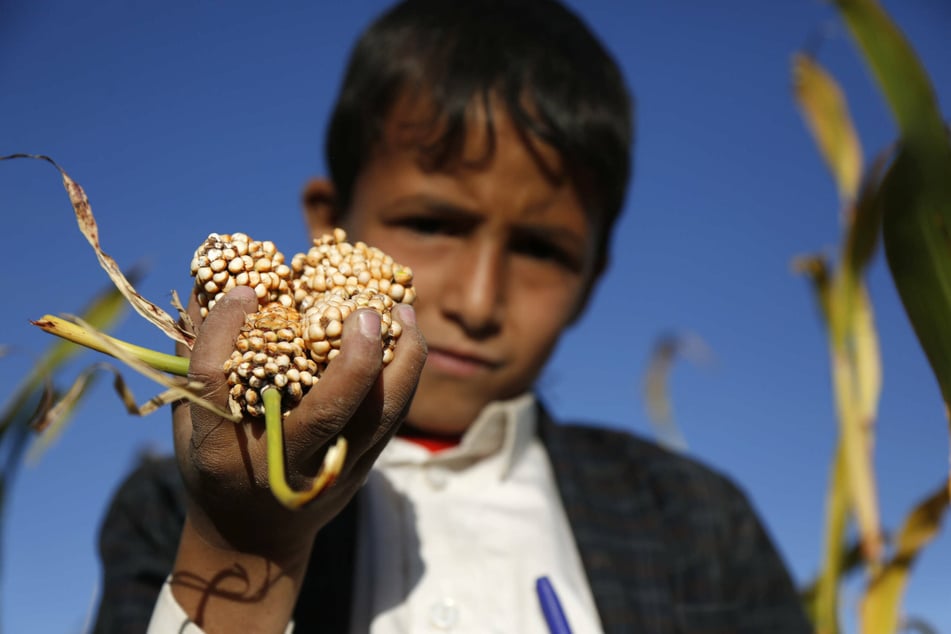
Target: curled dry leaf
x=41 y=418
x=184 y=318
x=89 y=228
x=52 y=415
x=656 y=383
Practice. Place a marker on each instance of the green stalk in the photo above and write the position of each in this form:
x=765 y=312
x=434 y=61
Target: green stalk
x=836 y=523
x=277 y=478
x=77 y=334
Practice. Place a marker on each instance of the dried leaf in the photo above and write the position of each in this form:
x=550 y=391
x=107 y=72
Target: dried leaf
x=656 y=392
x=47 y=398
x=89 y=228
x=882 y=602
x=827 y=115
x=52 y=417
x=186 y=320
x=816 y=268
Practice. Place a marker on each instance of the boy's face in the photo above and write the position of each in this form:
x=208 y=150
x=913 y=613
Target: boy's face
x=503 y=258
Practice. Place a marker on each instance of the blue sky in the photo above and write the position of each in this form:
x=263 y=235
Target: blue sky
x=181 y=119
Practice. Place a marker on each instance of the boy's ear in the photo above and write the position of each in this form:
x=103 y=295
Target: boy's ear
x=319 y=202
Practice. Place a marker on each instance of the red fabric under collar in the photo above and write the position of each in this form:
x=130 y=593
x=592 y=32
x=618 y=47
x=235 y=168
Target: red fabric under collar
x=432 y=444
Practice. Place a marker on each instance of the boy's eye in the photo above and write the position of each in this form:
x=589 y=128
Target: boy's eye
x=421 y=225
x=546 y=251
x=432 y=225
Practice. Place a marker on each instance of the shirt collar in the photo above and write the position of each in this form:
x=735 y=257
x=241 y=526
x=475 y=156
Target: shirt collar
x=503 y=430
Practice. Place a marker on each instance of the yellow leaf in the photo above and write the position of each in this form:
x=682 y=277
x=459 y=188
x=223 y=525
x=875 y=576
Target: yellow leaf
x=882 y=602
x=827 y=116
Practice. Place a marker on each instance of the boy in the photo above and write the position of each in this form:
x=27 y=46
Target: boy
x=486 y=145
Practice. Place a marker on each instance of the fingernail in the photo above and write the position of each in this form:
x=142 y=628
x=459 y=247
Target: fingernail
x=369 y=321
x=407 y=314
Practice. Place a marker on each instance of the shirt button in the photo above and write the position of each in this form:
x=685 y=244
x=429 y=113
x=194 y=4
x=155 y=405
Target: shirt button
x=444 y=614
x=437 y=477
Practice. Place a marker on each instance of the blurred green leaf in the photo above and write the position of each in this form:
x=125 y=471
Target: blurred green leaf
x=103 y=311
x=856 y=374
x=916 y=216
x=826 y=600
x=898 y=71
x=916 y=192
x=37 y=390
x=864 y=220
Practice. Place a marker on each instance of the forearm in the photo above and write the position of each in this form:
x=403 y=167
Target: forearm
x=223 y=590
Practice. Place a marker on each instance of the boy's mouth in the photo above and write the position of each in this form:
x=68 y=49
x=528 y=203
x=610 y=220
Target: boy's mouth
x=459 y=363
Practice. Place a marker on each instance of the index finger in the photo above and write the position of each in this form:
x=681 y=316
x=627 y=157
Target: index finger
x=216 y=338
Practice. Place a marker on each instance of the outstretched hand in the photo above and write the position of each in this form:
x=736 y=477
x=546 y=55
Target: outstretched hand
x=224 y=464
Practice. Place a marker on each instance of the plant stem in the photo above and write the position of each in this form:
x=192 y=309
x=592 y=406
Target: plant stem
x=277 y=478
x=77 y=334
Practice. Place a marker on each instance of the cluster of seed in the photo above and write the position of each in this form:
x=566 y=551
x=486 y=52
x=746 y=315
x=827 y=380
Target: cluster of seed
x=336 y=266
x=323 y=322
x=269 y=351
x=224 y=261
x=297 y=331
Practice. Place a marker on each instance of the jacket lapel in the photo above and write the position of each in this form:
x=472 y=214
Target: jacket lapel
x=613 y=515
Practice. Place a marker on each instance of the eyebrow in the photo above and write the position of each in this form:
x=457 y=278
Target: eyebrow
x=442 y=207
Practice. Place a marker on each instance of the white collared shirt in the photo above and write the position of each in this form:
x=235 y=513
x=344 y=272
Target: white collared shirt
x=454 y=541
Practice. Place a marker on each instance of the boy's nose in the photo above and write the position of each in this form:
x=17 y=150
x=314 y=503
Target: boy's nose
x=474 y=295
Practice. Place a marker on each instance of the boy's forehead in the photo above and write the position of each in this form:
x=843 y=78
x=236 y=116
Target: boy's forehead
x=417 y=123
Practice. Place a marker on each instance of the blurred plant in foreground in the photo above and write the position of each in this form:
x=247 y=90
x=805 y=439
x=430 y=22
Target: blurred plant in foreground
x=905 y=194
x=41 y=403
x=656 y=389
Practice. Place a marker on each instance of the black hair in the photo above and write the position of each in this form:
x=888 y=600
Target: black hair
x=552 y=75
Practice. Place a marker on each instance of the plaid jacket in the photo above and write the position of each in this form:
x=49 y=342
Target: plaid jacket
x=668 y=545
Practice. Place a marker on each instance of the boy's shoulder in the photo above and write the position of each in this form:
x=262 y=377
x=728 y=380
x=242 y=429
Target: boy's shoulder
x=627 y=449
x=621 y=465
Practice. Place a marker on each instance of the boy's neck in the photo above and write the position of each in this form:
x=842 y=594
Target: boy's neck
x=432 y=441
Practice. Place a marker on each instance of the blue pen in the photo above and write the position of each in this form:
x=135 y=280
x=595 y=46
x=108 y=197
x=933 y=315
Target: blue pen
x=551 y=607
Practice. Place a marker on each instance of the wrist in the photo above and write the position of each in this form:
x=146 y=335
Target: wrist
x=223 y=589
